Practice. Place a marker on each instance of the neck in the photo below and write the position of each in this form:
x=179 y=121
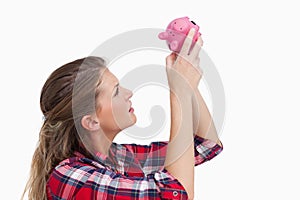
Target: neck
x=101 y=142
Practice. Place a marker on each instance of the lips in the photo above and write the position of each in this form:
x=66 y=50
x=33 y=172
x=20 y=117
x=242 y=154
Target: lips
x=130 y=108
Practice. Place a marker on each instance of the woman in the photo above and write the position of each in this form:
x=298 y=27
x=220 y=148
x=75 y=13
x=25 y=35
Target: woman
x=85 y=108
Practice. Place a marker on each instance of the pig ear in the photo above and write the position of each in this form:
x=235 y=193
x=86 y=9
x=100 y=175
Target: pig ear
x=163 y=35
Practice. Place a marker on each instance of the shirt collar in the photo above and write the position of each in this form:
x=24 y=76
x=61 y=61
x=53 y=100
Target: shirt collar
x=111 y=159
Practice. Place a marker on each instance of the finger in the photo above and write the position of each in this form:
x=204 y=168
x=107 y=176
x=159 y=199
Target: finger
x=174 y=54
x=197 y=66
x=197 y=47
x=197 y=62
x=187 y=43
x=170 y=59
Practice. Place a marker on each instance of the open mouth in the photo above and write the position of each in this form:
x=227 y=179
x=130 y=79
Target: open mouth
x=131 y=110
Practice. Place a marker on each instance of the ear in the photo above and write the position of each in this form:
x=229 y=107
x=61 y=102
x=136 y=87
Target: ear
x=163 y=35
x=90 y=123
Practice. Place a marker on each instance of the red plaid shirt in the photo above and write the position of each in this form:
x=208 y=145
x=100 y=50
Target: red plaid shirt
x=129 y=172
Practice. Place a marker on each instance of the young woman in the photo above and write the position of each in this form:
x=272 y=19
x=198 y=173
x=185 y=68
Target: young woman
x=85 y=107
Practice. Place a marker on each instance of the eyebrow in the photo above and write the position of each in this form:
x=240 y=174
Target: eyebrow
x=116 y=85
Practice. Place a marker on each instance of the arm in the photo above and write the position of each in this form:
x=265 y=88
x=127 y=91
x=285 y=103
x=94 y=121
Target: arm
x=181 y=142
x=203 y=124
x=182 y=79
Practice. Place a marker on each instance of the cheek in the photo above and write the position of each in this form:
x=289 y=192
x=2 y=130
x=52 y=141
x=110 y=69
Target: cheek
x=113 y=112
x=111 y=121
x=106 y=115
x=118 y=108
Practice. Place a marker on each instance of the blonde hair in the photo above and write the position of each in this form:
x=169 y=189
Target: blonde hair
x=72 y=85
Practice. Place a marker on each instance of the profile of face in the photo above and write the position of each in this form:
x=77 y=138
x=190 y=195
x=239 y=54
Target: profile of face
x=114 y=110
x=115 y=113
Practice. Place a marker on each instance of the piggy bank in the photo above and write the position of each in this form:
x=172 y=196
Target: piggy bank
x=177 y=31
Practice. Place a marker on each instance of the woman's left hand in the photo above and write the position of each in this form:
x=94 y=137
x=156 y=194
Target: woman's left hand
x=188 y=59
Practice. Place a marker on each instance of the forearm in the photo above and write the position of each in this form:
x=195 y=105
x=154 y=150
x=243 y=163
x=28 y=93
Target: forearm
x=180 y=153
x=203 y=124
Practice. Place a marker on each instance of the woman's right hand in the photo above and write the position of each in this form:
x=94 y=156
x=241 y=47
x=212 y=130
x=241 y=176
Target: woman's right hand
x=183 y=70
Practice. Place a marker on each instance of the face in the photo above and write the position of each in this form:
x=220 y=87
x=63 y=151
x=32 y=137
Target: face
x=115 y=112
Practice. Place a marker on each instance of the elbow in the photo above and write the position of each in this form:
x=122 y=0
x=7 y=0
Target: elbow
x=191 y=196
x=190 y=193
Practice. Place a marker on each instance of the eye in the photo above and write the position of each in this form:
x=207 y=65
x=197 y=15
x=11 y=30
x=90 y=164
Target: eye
x=117 y=91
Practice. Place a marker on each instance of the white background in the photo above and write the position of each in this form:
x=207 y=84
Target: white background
x=254 y=45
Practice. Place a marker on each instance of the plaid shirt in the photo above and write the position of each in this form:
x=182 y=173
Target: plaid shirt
x=130 y=172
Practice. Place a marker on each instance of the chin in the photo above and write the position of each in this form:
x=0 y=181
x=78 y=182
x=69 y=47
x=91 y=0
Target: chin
x=129 y=123
x=133 y=120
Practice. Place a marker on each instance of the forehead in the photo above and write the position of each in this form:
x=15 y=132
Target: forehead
x=109 y=80
x=109 y=77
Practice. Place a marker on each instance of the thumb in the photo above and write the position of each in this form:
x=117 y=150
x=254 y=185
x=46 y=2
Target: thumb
x=170 y=59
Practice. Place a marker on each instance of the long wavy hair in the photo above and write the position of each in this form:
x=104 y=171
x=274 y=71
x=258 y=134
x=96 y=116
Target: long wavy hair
x=68 y=94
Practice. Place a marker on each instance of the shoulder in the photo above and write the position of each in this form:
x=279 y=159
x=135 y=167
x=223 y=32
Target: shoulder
x=74 y=169
x=72 y=173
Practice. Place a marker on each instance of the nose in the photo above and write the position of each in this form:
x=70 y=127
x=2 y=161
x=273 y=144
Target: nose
x=128 y=94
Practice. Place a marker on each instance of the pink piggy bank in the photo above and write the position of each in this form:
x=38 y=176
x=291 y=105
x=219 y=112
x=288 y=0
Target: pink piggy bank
x=177 y=31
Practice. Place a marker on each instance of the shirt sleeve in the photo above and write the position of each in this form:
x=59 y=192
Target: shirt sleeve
x=205 y=149
x=103 y=183
x=152 y=156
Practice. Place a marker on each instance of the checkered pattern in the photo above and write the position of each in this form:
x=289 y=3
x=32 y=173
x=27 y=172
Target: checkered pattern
x=130 y=172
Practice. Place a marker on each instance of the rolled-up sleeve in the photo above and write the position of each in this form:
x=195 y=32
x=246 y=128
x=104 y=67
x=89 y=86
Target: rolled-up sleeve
x=205 y=149
x=152 y=156
x=106 y=184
